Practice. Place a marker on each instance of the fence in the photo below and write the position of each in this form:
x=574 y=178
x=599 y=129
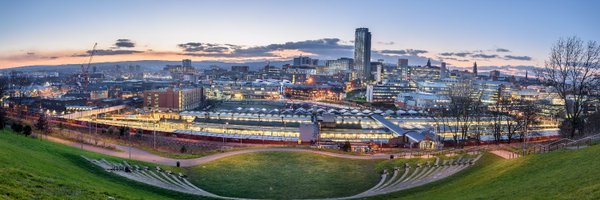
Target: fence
x=563 y=143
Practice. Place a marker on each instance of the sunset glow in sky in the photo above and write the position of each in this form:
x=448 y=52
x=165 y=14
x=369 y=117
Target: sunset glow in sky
x=500 y=33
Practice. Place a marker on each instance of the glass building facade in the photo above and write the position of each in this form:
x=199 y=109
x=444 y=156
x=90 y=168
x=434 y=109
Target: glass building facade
x=362 y=55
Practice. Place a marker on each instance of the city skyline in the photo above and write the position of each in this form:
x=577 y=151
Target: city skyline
x=160 y=31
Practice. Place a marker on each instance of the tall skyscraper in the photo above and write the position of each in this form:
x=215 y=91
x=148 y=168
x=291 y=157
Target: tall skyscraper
x=475 y=69
x=362 y=55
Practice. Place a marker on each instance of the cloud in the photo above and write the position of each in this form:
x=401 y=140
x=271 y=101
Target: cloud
x=324 y=48
x=124 y=43
x=386 y=43
x=30 y=53
x=458 y=54
x=191 y=46
x=502 y=50
x=516 y=70
x=485 y=56
x=107 y=52
x=325 y=43
x=207 y=48
x=510 y=57
x=412 y=52
x=451 y=58
x=479 y=54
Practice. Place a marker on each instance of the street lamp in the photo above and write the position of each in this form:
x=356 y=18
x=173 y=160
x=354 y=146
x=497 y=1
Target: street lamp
x=224 y=132
x=154 y=138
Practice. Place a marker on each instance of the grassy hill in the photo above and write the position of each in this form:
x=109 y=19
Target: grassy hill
x=35 y=169
x=568 y=174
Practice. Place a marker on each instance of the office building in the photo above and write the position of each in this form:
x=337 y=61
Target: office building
x=403 y=66
x=387 y=92
x=362 y=55
x=241 y=69
x=173 y=99
x=341 y=65
x=303 y=61
x=443 y=71
x=186 y=63
x=378 y=71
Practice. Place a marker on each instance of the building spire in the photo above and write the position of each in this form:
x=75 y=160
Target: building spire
x=429 y=62
x=475 y=68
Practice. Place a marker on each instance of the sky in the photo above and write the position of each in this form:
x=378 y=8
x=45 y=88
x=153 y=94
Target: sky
x=509 y=35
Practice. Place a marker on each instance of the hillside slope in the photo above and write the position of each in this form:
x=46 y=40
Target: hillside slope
x=567 y=174
x=36 y=169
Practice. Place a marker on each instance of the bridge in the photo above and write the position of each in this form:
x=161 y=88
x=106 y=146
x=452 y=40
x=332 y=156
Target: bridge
x=87 y=113
x=413 y=136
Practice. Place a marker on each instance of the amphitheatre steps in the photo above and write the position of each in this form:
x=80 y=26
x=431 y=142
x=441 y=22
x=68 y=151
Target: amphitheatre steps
x=401 y=178
x=156 y=177
x=416 y=175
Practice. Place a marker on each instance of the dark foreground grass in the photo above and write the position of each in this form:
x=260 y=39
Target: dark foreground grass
x=285 y=175
x=35 y=169
x=569 y=174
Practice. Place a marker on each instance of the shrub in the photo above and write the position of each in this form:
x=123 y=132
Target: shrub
x=17 y=127
x=183 y=149
x=111 y=131
x=346 y=146
x=138 y=133
x=123 y=130
x=27 y=130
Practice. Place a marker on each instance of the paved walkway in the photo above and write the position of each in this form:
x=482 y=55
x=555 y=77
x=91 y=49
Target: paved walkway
x=505 y=154
x=141 y=155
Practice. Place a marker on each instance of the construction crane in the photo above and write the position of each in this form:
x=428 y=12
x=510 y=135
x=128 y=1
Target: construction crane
x=85 y=70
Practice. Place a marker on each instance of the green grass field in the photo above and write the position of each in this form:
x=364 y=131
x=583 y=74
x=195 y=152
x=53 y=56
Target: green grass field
x=35 y=169
x=567 y=174
x=285 y=175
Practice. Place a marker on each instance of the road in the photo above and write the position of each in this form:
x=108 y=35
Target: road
x=141 y=155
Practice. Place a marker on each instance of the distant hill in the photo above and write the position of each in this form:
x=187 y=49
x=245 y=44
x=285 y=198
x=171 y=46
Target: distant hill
x=145 y=64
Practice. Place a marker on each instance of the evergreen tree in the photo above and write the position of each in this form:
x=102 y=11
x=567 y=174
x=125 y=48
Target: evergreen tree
x=42 y=124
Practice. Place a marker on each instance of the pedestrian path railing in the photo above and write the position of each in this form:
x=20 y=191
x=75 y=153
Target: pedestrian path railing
x=564 y=143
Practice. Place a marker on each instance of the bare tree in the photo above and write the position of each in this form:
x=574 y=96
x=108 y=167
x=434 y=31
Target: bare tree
x=497 y=115
x=508 y=108
x=461 y=109
x=572 y=71
x=479 y=111
x=593 y=123
x=527 y=115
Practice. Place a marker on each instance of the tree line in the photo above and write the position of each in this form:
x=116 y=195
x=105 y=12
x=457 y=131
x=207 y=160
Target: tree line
x=572 y=72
